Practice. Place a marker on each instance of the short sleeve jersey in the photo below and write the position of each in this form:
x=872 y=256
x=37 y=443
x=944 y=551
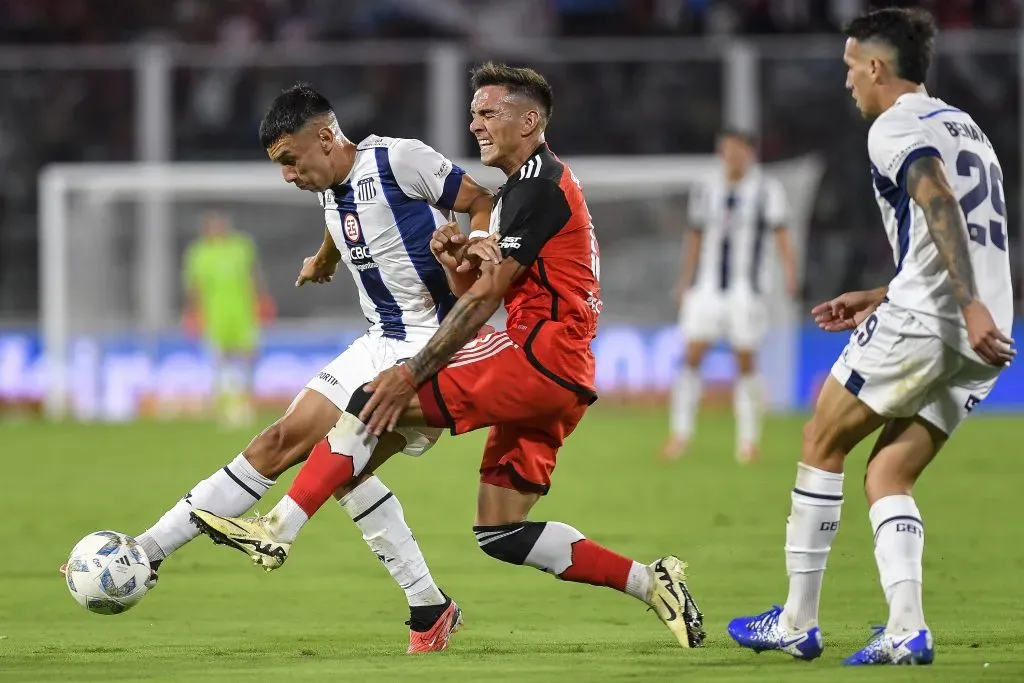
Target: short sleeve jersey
x=918 y=126
x=543 y=222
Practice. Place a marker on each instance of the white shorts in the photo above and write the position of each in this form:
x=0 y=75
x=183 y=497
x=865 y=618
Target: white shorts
x=367 y=357
x=899 y=368
x=735 y=316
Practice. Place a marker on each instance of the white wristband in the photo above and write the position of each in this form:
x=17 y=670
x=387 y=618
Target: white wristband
x=479 y=233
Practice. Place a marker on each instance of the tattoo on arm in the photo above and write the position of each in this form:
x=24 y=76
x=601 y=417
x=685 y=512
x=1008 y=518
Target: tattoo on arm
x=471 y=311
x=927 y=184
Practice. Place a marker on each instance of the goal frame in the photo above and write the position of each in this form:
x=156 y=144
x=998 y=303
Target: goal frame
x=628 y=177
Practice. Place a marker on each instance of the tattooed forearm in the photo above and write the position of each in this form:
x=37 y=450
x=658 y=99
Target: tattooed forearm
x=470 y=312
x=927 y=184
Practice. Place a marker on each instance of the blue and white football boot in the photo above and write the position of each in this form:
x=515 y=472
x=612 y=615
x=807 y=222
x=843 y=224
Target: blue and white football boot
x=765 y=631
x=887 y=648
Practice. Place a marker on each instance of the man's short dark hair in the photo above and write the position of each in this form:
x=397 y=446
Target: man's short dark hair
x=520 y=81
x=909 y=31
x=744 y=136
x=290 y=111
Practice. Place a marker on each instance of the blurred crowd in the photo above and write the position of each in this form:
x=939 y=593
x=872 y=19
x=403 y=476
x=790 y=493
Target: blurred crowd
x=629 y=107
x=210 y=21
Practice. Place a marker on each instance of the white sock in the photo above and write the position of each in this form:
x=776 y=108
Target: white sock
x=638 y=583
x=746 y=404
x=685 y=400
x=229 y=491
x=286 y=520
x=899 y=548
x=379 y=515
x=812 y=525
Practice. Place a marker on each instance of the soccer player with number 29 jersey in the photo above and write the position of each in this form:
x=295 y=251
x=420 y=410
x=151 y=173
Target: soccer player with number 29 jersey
x=925 y=350
x=531 y=384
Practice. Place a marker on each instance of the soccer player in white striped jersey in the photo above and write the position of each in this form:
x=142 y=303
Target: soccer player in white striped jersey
x=383 y=199
x=734 y=217
x=925 y=350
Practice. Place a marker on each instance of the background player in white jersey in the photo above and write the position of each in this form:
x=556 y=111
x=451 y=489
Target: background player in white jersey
x=733 y=218
x=383 y=199
x=926 y=350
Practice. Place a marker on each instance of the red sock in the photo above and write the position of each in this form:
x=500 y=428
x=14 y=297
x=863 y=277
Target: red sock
x=319 y=477
x=598 y=566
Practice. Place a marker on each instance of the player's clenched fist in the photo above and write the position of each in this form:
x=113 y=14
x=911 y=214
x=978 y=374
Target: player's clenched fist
x=316 y=270
x=984 y=335
x=480 y=251
x=447 y=244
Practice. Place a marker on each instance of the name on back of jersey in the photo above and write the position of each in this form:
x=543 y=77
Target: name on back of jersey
x=958 y=129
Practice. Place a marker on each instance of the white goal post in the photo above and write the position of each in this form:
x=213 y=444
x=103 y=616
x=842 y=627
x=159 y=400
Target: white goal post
x=636 y=202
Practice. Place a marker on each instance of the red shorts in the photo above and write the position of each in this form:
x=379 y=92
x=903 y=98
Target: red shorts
x=491 y=382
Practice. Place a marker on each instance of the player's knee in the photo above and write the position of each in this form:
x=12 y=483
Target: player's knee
x=510 y=543
x=745 y=362
x=695 y=354
x=819 y=448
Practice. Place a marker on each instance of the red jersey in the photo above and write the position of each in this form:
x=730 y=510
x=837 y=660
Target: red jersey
x=544 y=224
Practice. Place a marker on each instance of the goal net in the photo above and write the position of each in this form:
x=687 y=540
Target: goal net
x=112 y=345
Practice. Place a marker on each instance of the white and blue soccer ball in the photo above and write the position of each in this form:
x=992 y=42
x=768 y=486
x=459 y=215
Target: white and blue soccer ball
x=107 y=572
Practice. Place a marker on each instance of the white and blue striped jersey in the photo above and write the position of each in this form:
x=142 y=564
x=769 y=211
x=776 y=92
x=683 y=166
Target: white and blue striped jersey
x=735 y=220
x=918 y=125
x=381 y=218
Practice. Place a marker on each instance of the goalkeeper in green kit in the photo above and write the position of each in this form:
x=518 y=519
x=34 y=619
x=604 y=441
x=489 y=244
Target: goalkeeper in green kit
x=226 y=299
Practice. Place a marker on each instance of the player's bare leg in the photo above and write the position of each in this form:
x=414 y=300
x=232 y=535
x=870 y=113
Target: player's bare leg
x=839 y=423
x=686 y=394
x=330 y=470
x=504 y=532
x=904 y=449
x=235 y=488
x=747 y=407
x=267 y=539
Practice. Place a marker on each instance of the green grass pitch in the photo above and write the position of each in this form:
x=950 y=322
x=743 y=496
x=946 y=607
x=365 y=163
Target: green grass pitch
x=332 y=613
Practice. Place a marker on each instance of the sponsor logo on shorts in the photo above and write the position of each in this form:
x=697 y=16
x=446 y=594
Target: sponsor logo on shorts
x=351 y=226
x=510 y=243
x=972 y=401
x=328 y=377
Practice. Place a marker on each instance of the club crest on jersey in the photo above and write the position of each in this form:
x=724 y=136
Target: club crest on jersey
x=366 y=189
x=351 y=227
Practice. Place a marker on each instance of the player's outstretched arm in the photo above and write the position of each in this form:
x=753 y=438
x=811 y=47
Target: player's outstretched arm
x=847 y=311
x=471 y=311
x=393 y=389
x=928 y=185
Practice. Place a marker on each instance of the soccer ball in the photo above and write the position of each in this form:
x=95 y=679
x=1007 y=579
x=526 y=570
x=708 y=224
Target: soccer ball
x=107 y=572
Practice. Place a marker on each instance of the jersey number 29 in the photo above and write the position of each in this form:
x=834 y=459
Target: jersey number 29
x=990 y=186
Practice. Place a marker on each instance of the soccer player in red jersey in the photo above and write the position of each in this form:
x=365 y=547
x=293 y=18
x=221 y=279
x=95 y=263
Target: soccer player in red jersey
x=531 y=384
